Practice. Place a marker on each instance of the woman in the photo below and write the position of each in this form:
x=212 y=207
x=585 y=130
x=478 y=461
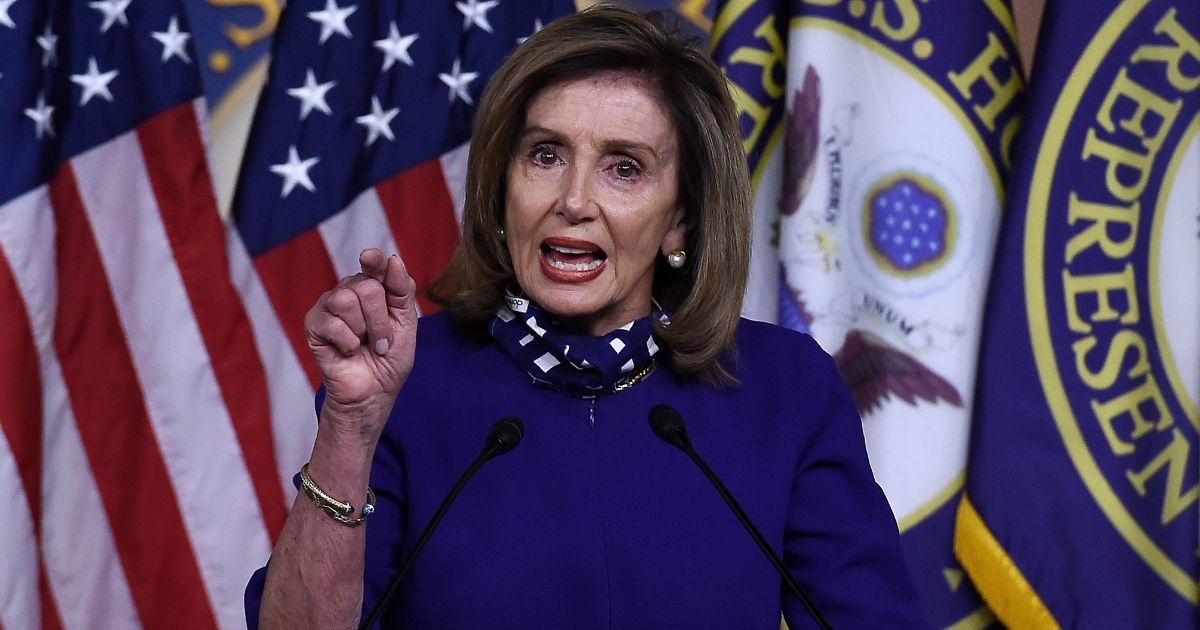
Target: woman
x=604 y=256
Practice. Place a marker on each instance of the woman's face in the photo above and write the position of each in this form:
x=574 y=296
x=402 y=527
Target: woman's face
x=592 y=199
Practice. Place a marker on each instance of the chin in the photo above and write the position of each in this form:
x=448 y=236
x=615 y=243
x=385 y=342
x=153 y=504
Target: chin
x=564 y=304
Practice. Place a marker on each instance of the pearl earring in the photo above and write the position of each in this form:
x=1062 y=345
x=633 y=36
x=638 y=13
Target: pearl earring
x=676 y=258
x=500 y=234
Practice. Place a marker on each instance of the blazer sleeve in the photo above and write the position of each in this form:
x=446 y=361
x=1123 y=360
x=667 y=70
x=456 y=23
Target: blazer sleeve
x=385 y=529
x=841 y=540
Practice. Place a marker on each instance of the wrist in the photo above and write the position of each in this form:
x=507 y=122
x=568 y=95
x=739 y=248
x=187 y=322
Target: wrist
x=342 y=471
x=342 y=511
x=353 y=425
x=361 y=405
x=343 y=447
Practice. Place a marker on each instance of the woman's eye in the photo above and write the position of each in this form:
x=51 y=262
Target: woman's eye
x=626 y=169
x=545 y=156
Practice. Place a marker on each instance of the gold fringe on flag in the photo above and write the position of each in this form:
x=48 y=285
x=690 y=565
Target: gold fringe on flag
x=996 y=577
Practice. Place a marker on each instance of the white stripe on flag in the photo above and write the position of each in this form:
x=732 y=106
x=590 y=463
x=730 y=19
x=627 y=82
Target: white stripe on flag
x=19 y=570
x=360 y=225
x=454 y=169
x=293 y=423
x=187 y=412
x=81 y=560
x=85 y=576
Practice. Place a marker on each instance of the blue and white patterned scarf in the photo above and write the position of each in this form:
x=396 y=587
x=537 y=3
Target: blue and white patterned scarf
x=577 y=365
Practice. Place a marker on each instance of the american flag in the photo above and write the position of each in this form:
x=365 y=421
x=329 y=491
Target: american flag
x=361 y=136
x=155 y=392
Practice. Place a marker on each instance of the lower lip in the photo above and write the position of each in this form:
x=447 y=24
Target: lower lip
x=572 y=277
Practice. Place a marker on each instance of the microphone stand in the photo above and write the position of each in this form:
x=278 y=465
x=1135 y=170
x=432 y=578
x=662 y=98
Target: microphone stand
x=793 y=585
x=668 y=426
x=503 y=437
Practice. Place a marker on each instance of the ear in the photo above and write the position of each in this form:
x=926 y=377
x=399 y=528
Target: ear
x=676 y=237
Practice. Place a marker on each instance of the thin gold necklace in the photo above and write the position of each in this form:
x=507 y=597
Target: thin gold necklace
x=636 y=377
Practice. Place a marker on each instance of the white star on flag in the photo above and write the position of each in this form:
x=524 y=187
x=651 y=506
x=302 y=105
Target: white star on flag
x=40 y=115
x=48 y=42
x=312 y=95
x=94 y=82
x=174 y=41
x=332 y=19
x=5 y=19
x=475 y=12
x=537 y=26
x=113 y=10
x=378 y=122
x=457 y=81
x=295 y=171
x=395 y=47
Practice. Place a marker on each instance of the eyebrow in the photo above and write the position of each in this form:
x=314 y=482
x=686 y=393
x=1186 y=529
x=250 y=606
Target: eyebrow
x=609 y=145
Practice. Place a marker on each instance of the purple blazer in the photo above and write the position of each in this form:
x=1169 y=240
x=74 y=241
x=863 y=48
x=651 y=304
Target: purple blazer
x=593 y=522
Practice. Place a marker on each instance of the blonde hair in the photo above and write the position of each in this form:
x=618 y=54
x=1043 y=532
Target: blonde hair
x=704 y=298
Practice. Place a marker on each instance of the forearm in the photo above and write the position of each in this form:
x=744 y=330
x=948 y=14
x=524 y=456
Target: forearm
x=315 y=577
x=363 y=335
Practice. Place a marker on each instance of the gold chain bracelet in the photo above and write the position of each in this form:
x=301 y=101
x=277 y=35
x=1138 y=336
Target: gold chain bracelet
x=339 y=510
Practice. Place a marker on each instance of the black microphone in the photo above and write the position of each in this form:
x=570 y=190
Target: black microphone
x=504 y=436
x=668 y=426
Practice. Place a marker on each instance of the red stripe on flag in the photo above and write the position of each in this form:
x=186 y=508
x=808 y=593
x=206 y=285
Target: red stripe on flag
x=294 y=275
x=21 y=416
x=175 y=162
x=114 y=426
x=50 y=618
x=421 y=213
x=21 y=382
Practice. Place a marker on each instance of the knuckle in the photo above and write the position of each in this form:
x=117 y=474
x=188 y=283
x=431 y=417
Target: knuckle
x=370 y=291
x=341 y=299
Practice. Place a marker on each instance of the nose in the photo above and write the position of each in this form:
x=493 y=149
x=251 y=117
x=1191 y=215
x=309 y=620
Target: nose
x=577 y=203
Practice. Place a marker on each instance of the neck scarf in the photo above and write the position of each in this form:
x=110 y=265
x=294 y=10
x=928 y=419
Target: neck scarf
x=577 y=365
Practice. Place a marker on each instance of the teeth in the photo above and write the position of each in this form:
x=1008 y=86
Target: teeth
x=569 y=250
x=566 y=266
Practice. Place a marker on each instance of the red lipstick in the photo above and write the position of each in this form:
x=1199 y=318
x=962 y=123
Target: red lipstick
x=571 y=260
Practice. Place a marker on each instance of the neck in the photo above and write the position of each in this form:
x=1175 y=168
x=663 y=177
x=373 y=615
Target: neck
x=601 y=323
x=596 y=327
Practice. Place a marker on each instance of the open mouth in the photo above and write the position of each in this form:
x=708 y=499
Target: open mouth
x=575 y=257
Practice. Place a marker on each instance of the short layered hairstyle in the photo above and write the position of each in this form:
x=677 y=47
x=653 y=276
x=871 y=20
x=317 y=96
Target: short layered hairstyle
x=704 y=298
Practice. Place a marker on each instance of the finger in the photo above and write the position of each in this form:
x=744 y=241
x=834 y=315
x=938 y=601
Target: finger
x=373 y=262
x=400 y=287
x=326 y=329
x=345 y=281
x=343 y=304
x=372 y=307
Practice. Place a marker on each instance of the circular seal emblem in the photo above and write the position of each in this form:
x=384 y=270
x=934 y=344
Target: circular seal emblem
x=916 y=238
x=908 y=224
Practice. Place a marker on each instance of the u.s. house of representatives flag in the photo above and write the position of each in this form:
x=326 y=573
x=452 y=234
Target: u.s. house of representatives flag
x=136 y=471
x=878 y=135
x=1082 y=495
